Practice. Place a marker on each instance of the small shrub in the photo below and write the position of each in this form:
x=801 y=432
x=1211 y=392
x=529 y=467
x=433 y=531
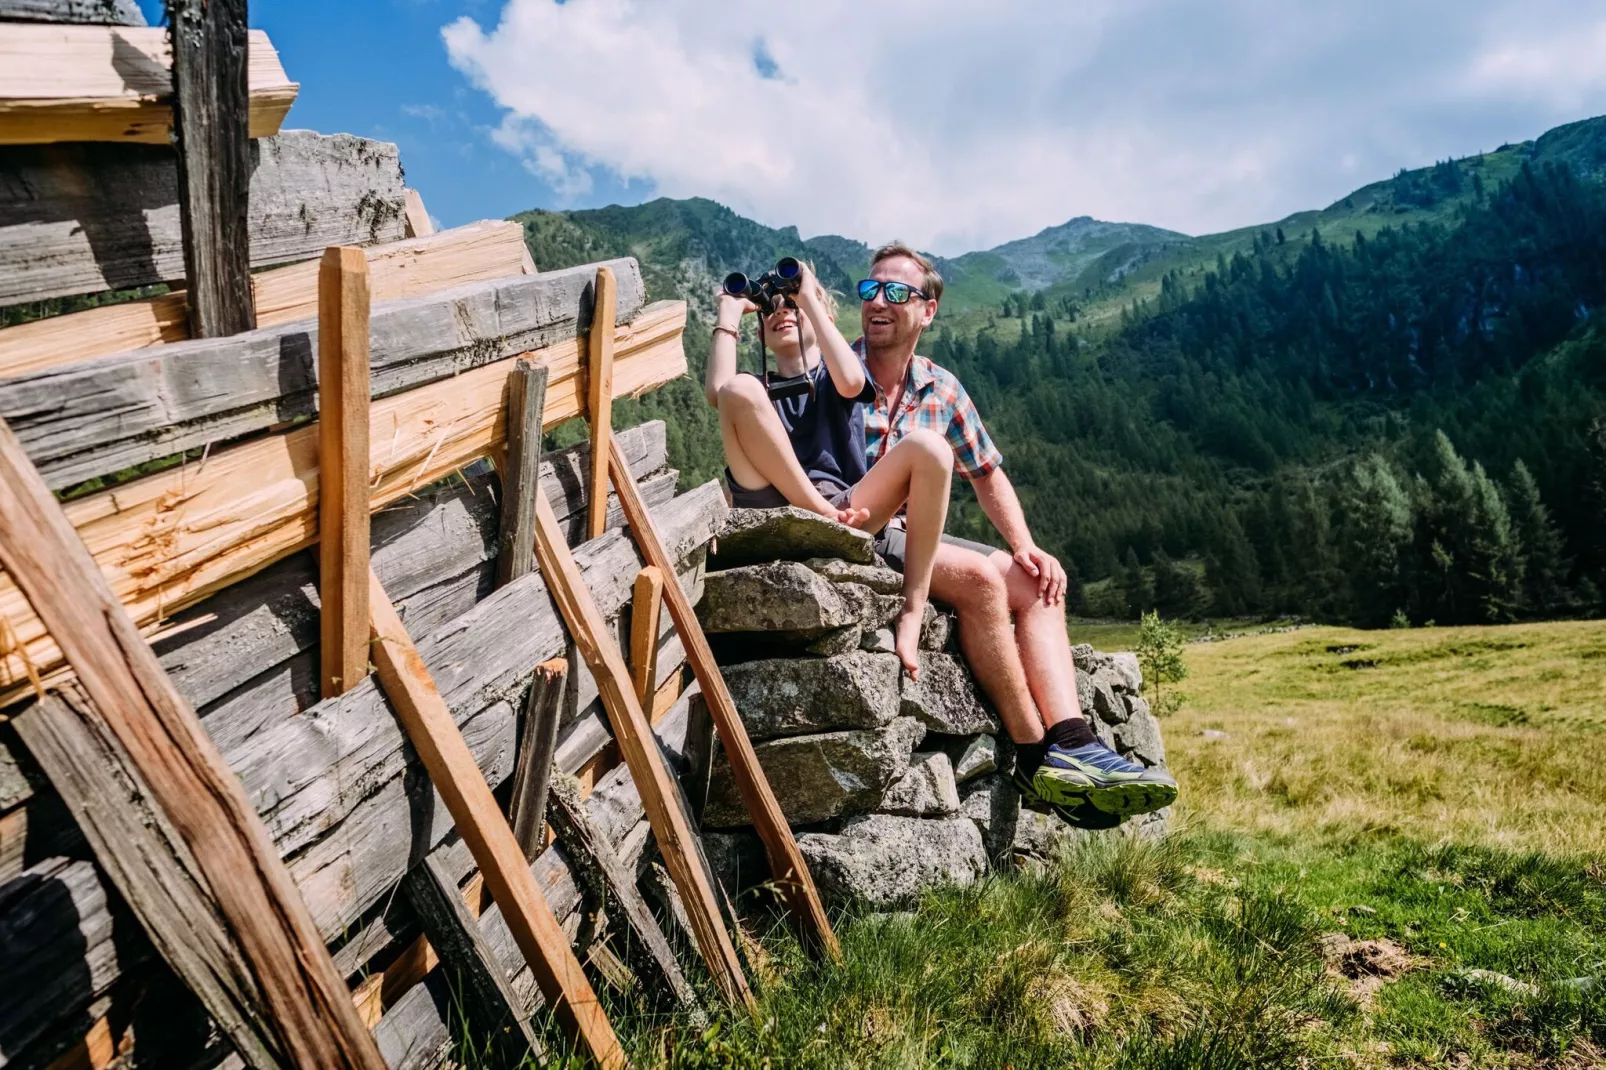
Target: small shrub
x=1159 y=651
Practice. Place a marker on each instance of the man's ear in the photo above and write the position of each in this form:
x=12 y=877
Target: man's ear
x=931 y=314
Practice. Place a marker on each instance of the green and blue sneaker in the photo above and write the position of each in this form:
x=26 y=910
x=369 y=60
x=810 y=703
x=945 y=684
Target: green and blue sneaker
x=1084 y=815
x=1095 y=774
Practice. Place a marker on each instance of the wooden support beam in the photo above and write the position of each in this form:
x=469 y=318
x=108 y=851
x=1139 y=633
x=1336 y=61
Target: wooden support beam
x=210 y=104
x=646 y=604
x=659 y=793
x=414 y=268
x=452 y=769
x=418 y=224
x=649 y=952
x=488 y=1002
x=255 y=503
x=139 y=849
x=343 y=469
x=791 y=873
x=315 y=1023
x=521 y=475
x=113 y=83
x=533 y=773
x=599 y=394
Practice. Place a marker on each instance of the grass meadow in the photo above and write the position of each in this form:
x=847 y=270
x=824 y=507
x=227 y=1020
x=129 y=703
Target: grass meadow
x=1390 y=851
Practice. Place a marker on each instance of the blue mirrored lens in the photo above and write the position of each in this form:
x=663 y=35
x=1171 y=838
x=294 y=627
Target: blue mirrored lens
x=868 y=288
x=897 y=292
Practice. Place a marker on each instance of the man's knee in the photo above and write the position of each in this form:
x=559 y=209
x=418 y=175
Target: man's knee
x=969 y=581
x=1022 y=588
x=742 y=391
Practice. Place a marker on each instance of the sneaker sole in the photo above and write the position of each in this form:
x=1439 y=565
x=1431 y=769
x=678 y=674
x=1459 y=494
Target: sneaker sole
x=1132 y=798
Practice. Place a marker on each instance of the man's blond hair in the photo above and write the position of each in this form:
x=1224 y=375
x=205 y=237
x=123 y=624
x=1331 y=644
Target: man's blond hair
x=933 y=281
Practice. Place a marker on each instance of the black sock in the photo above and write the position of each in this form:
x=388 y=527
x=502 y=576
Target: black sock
x=1028 y=756
x=1070 y=733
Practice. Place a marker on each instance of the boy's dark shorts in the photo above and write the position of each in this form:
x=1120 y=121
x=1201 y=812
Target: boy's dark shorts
x=767 y=497
x=890 y=545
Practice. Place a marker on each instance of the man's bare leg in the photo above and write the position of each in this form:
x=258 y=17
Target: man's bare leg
x=759 y=453
x=919 y=471
x=968 y=582
x=1043 y=643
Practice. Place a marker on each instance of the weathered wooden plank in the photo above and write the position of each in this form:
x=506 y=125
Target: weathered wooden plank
x=82 y=218
x=455 y=773
x=211 y=103
x=491 y=249
x=415 y=1033
x=418 y=222
x=646 y=603
x=521 y=480
x=599 y=398
x=489 y=1004
x=532 y=776
x=107 y=12
x=100 y=416
x=147 y=861
x=168 y=540
x=103 y=83
x=795 y=883
x=310 y=1011
x=343 y=401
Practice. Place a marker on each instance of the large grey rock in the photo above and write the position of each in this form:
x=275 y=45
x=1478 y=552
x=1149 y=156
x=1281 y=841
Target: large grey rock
x=878 y=579
x=788 y=599
x=816 y=778
x=737 y=859
x=1128 y=675
x=1139 y=738
x=796 y=696
x=926 y=789
x=880 y=641
x=938 y=630
x=973 y=756
x=789 y=534
x=1107 y=704
x=887 y=861
x=944 y=699
x=840 y=641
x=994 y=805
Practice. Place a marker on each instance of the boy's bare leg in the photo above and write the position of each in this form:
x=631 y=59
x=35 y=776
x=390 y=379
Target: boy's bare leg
x=760 y=454
x=918 y=470
x=968 y=581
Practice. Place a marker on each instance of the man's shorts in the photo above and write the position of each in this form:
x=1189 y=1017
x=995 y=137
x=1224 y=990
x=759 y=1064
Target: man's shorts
x=890 y=545
x=767 y=497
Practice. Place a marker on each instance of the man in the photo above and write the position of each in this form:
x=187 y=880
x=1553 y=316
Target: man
x=1010 y=606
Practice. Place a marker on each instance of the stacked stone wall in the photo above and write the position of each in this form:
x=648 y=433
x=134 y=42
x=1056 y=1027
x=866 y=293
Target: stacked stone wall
x=893 y=785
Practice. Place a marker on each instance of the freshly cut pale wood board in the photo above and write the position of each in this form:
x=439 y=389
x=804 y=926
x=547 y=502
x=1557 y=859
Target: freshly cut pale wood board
x=167 y=540
x=478 y=252
x=61 y=82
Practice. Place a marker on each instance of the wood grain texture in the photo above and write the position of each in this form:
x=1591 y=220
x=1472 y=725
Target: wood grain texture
x=599 y=396
x=146 y=859
x=633 y=733
x=413 y=268
x=646 y=603
x=112 y=83
x=791 y=873
x=526 y=400
x=85 y=217
x=168 y=540
x=343 y=403
x=456 y=775
x=101 y=416
x=210 y=101
x=418 y=222
x=104 y=12
x=315 y=1024
x=489 y=1005
x=532 y=775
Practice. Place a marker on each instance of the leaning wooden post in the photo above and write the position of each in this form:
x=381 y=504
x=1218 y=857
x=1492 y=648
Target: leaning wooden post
x=646 y=604
x=671 y=825
x=343 y=469
x=308 y=1004
x=791 y=874
x=452 y=769
x=521 y=471
x=532 y=772
x=599 y=380
x=211 y=127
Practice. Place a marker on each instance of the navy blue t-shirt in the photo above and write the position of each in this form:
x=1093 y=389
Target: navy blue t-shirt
x=827 y=430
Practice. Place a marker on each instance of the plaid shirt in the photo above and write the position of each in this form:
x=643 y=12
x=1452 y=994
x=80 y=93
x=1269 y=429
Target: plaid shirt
x=933 y=399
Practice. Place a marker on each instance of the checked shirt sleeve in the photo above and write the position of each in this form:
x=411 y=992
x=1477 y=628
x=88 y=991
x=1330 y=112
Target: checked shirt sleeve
x=974 y=453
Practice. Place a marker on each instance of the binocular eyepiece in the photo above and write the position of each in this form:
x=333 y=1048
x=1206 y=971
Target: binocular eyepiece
x=774 y=287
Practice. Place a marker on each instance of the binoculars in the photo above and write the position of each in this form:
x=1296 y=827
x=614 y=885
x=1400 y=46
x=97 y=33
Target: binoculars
x=772 y=290
x=775 y=286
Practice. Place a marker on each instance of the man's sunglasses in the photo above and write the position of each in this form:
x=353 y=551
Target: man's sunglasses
x=897 y=292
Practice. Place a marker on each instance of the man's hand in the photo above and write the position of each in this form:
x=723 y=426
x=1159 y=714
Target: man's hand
x=1050 y=574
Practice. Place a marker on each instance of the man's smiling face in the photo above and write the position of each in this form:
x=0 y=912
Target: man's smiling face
x=890 y=326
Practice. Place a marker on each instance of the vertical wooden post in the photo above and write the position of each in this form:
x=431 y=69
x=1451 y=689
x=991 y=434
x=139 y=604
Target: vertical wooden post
x=308 y=1004
x=647 y=602
x=211 y=113
x=343 y=468
x=532 y=774
x=452 y=769
x=604 y=309
x=416 y=219
x=521 y=472
x=792 y=878
x=659 y=790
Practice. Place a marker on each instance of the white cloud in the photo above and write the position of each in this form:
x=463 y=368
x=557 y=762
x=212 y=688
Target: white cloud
x=963 y=124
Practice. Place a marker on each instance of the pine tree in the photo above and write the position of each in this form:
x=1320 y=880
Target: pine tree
x=1544 y=559
x=1470 y=559
x=1374 y=535
x=1134 y=585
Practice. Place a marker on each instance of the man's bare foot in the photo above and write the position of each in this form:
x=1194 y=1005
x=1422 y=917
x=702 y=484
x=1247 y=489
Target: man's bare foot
x=906 y=637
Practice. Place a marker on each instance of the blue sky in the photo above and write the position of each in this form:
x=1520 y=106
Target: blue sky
x=957 y=125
